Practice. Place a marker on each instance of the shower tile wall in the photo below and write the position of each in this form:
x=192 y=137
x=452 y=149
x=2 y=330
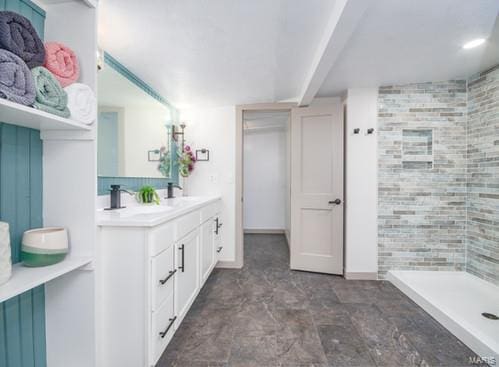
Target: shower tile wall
x=422 y=176
x=483 y=175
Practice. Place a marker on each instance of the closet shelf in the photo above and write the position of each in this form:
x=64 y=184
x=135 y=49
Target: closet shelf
x=23 y=278
x=20 y=115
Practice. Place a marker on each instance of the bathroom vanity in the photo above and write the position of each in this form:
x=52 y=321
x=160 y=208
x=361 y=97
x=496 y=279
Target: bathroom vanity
x=152 y=262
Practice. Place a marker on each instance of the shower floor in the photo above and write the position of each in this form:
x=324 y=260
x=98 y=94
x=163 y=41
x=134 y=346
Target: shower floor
x=457 y=300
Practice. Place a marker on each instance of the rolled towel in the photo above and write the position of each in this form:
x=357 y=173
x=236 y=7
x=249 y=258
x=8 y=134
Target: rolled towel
x=62 y=62
x=18 y=36
x=16 y=81
x=82 y=103
x=50 y=97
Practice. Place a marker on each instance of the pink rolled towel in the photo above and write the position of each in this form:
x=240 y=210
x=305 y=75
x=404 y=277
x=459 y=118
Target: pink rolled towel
x=61 y=61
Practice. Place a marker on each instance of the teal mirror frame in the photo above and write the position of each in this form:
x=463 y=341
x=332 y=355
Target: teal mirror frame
x=135 y=183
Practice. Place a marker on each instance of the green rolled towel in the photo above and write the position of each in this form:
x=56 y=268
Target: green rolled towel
x=50 y=97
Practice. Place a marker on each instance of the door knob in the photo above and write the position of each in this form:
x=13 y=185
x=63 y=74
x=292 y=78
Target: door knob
x=336 y=202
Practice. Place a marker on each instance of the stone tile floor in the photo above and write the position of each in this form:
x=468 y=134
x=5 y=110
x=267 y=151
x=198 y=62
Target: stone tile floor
x=266 y=315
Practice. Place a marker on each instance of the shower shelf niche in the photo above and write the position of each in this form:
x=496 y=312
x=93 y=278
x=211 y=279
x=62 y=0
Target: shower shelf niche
x=417 y=148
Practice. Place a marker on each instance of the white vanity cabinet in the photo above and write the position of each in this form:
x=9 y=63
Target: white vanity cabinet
x=149 y=274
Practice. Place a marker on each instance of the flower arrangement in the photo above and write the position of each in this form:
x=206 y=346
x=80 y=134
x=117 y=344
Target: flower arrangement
x=186 y=162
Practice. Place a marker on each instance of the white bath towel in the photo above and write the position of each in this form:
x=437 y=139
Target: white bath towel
x=5 y=259
x=82 y=103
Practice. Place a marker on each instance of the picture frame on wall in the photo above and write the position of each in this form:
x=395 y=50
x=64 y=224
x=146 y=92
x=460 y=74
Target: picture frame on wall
x=202 y=155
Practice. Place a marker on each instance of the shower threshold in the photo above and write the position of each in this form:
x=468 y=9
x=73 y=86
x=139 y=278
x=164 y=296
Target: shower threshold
x=457 y=300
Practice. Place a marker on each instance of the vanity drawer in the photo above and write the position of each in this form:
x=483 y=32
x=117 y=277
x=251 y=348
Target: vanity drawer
x=209 y=211
x=163 y=274
x=187 y=223
x=161 y=238
x=163 y=328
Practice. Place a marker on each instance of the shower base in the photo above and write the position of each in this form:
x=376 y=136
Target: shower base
x=457 y=300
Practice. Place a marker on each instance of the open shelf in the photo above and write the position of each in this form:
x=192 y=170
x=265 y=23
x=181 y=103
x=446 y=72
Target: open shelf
x=20 y=115
x=25 y=278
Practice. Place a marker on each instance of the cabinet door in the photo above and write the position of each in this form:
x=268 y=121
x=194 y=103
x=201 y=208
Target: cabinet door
x=188 y=275
x=207 y=249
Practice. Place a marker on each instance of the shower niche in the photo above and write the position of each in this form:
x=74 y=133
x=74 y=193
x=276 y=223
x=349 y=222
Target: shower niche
x=417 y=148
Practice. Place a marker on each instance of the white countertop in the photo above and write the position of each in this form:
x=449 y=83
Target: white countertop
x=137 y=215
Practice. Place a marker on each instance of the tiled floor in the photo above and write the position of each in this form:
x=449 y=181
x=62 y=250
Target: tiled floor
x=266 y=315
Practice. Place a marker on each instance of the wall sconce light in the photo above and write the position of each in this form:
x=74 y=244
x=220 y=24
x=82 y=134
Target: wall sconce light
x=370 y=131
x=356 y=130
x=176 y=133
x=100 y=59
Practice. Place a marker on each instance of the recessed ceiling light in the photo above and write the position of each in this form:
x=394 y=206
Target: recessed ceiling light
x=474 y=43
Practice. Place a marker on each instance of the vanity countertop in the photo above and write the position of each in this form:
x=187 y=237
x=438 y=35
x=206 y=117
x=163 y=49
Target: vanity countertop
x=152 y=215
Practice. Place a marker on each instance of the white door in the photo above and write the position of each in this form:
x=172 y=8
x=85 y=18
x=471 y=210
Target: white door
x=207 y=249
x=187 y=276
x=317 y=189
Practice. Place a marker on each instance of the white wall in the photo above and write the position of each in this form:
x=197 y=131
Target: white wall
x=361 y=184
x=265 y=178
x=144 y=130
x=215 y=129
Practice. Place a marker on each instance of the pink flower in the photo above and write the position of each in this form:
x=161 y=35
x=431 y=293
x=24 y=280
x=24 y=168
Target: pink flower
x=190 y=167
x=187 y=148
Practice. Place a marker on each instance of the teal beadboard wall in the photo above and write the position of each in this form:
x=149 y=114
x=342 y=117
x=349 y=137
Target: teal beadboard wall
x=22 y=318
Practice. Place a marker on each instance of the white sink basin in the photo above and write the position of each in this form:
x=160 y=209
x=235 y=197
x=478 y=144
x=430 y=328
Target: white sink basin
x=142 y=210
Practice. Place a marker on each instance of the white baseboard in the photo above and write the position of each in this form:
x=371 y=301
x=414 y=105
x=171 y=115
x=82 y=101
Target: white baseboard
x=228 y=265
x=361 y=275
x=264 y=231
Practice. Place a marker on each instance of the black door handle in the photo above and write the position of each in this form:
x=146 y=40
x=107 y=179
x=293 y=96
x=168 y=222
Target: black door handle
x=336 y=202
x=162 y=334
x=170 y=274
x=182 y=248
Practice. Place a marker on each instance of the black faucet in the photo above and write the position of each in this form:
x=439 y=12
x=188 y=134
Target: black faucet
x=171 y=185
x=115 y=192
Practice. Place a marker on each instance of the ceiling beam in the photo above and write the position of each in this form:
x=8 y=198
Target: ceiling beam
x=344 y=18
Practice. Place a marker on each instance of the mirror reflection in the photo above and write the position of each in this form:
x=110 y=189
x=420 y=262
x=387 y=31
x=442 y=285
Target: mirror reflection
x=133 y=130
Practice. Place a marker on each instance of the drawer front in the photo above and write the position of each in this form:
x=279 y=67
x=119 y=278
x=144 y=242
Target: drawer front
x=161 y=238
x=163 y=328
x=209 y=211
x=187 y=223
x=163 y=274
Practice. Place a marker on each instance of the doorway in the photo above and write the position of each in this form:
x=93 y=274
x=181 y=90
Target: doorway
x=266 y=172
x=313 y=188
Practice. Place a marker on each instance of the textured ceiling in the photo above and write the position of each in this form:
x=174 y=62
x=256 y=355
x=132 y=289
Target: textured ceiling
x=215 y=52
x=226 y=52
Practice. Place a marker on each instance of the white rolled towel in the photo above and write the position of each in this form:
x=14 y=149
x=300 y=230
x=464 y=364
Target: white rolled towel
x=5 y=258
x=82 y=103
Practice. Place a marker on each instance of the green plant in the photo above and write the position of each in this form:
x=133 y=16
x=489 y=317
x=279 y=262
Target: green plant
x=147 y=195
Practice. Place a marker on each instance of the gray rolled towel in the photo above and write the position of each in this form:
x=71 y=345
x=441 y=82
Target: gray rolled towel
x=16 y=82
x=18 y=36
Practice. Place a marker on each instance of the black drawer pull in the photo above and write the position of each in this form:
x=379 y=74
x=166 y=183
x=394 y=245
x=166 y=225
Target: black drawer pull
x=182 y=267
x=163 y=281
x=162 y=334
x=219 y=249
x=217 y=225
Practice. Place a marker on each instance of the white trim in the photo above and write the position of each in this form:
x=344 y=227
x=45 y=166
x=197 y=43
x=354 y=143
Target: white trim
x=361 y=276
x=263 y=231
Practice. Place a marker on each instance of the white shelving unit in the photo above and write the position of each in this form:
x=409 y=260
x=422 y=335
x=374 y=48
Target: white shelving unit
x=25 y=278
x=18 y=114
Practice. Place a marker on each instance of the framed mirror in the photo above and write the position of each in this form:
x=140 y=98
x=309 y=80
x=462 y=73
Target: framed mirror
x=134 y=128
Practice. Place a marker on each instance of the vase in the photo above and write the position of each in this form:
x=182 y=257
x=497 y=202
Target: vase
x=5 y=253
